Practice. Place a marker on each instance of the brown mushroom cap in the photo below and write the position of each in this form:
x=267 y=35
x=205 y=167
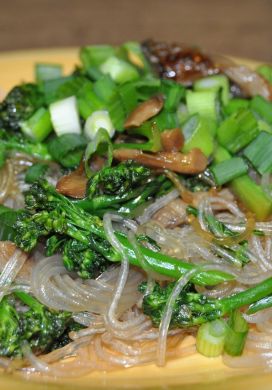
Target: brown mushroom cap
x=144 y=111
x=74 y=184
x=189 y=163
x=172 y=140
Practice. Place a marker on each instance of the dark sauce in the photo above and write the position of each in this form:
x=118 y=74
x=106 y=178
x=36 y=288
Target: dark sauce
x=176 y=62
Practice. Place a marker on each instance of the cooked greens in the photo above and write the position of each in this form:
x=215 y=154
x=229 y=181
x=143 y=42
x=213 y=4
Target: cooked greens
x=153 y=138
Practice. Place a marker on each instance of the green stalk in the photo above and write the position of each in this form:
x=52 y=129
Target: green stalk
x=169 y=266
x=158 y=262
x=148 y=130
x=29 y=300
x=262 y=304
x=38 y=126
x=238 y=130
x=250 y=193
x=262 y=108
x=236 y=334
x=247 y=297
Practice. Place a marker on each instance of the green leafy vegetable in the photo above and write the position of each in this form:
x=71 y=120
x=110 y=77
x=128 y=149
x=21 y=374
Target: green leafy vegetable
x=35 y=172
x=236 y=334
x=20 y=103
x=52 y=213
x=67 y=149
x=37 y=325
x=191 y=308
x=228 y=170
x=238 y=130
x=47 y=71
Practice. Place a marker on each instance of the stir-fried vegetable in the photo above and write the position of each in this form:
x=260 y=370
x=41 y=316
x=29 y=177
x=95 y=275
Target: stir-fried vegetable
x=31 y=323
x=117 y=135
x=192 y=308
x=53 y=214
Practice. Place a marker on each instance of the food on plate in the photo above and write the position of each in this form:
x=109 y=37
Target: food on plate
x=135 y=212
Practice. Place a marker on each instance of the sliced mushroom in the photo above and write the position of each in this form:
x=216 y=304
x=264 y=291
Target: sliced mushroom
x=249 y=81
x=190 y=163
x=172 y=140
x=74 y=184
x=144 y=111
x=171 y=215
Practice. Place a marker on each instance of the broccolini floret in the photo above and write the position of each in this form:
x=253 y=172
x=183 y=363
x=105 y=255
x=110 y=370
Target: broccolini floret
x=81 y=258
x=24 y=319
x=10 y=334
x=118 y=180
x=192 y=308
x=20 y=103
x=51 y=214
x=123 y=187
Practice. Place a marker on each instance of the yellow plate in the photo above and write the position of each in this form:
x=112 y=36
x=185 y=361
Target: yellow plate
x=193 y=372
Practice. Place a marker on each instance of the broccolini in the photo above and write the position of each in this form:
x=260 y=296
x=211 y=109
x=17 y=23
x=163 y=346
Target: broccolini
x=31 y=322
x=192 y=308
x=50 y=213
x=20 y=103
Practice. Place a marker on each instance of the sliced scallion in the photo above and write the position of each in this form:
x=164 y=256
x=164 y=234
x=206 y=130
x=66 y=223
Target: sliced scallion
x=65 y=117
x=87 y=101
x=250 y=193
x=204 y=103
x=264 y=126
x=210 y=338
x=101 y=143
x=228 y=170
x=38 y=126
x=117 y=111
x=119 y=70
x=218 y=83
x=166 y=120
x=96 y=121
x=238 y=130
x=252 y=196
x=173 y=93
x=262 y=108
x=236 y=333
x=235 y=105
x=147 y=87
x=47 y=71
x=259 y=153
x=148 y=130
x=198 y=133
x=93 y=56
x=50 y=87
x=128 y=95
x=104 y=87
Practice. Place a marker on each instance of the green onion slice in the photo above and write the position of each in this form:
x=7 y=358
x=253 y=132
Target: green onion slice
x=211 y=338
x=219 y=83
x=259 y=153
x=236 y=334
x=228 y=170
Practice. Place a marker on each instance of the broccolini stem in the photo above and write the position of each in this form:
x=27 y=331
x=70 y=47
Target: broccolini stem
x=29 y=300
x=248 y=296
x=172 y=267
